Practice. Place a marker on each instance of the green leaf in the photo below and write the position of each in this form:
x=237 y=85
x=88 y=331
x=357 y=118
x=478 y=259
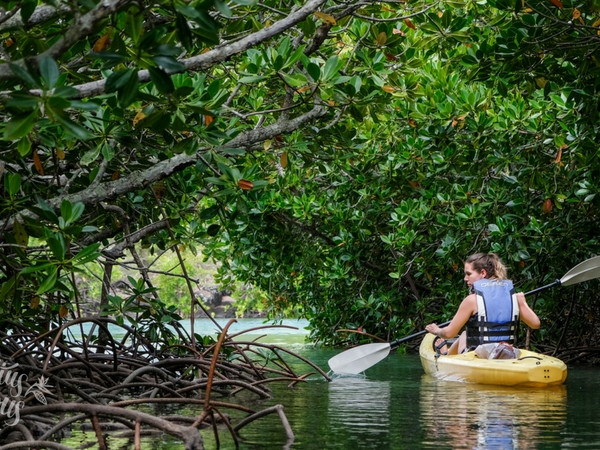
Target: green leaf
x=69 y=91
x=207 y=29
x=293 y=59
x=213 y=230
x=168 y=64
x=88 y=254
x=92 y=154
x=331 y=67
x=49 y=282
x=74 y=129
x=49 y=72
x=22 y=101
x=232 y=151
x=12 y=183
x=18 y=127
x=296 y=80
x=183 y=32
x=215 y=180
x=56 y=105
x=24 y=74
x=209 y=213
x=252 y=79
x=278 y=63
x=65 y=210
x=356 y=83
x=161 y=80
x=118 y=80
x=134 y=25
x=27 y=9
x=56 y=242
x=7 y=289
x=77 y=211
x=110 y=59
x=223 y=8
x=36 y=268
x=129 y=91
x=314 y=71
x=45 y=211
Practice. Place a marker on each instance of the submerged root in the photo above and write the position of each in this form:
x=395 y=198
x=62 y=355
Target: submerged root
x=53 y=383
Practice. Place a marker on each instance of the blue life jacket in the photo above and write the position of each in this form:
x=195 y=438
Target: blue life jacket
x=497 y=317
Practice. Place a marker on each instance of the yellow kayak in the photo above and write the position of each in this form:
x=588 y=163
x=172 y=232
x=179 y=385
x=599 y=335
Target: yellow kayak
x=529 y=369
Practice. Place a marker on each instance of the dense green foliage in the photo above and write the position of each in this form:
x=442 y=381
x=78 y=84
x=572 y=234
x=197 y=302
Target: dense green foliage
x=343 y=157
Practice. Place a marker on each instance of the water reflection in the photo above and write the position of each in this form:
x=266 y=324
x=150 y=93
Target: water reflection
x=361 y=408
x=481 y=417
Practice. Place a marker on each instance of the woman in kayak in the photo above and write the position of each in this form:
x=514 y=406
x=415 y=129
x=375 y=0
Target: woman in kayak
x=491 y=312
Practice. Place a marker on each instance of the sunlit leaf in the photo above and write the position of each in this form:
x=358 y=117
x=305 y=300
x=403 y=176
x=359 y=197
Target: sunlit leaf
x=38 y=163
x=63 y=311
x=21 y=236
x=557 y=3
x=409 y=24
x=138 y=117
x=245 y=185
x=102 y=43
x=325 y=18
x=381 y=39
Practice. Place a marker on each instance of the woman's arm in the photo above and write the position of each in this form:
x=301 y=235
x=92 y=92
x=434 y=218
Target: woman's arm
x=527 y=314
x=467 y=308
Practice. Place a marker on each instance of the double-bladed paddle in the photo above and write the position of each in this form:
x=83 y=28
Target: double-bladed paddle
x=359 y=359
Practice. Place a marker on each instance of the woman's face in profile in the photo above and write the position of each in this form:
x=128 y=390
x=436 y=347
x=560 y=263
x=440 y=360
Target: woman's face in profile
x=472 y=275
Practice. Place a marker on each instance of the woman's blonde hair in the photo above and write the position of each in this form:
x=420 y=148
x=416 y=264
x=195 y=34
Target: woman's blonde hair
x=492 y=264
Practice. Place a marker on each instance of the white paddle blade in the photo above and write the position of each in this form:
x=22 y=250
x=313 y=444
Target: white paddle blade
x=359 y=359
x=586 y=270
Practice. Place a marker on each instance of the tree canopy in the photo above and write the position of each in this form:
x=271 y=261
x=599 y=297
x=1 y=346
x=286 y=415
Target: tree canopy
x=345 y=157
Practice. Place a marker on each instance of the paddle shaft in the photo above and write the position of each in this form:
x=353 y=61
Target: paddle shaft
x=397 y=342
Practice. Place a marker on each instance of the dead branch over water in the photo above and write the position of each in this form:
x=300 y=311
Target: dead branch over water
x=53 y=383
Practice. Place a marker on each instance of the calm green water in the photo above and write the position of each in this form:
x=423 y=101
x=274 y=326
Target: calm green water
x=396 y=406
